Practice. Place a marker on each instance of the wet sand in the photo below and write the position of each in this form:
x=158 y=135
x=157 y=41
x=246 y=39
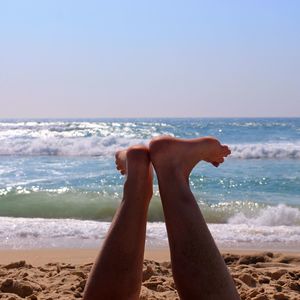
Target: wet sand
x=62 y=273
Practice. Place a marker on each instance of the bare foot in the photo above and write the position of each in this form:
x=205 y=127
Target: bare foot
x=135 y=163
x=182 y=155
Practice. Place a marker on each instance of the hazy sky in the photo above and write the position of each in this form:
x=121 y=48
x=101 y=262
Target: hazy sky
x=149 y=58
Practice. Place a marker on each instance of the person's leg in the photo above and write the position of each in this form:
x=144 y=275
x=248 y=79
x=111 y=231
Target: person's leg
x=198 y=268
x=117 y=272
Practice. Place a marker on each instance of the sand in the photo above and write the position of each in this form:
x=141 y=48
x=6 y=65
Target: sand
x=62 y=274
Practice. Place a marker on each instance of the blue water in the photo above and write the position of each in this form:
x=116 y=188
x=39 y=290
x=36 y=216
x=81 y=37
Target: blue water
x=64 y=169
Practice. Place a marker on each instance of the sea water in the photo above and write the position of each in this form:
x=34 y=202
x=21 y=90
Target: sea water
x=59 y=186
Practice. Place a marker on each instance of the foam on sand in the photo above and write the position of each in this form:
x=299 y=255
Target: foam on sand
x=26 y=233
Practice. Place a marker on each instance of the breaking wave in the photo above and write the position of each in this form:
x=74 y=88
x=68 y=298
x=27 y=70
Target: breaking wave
x=280 y=215
x=103 y=138
x=106 y=146
x=92 y=205
x=20 y=233
x=94 y=146
x=267 y=150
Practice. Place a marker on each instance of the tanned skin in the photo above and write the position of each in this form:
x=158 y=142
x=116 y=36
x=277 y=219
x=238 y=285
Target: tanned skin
x=198 y=268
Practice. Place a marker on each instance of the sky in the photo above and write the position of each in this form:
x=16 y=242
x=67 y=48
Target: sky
x=158 y=58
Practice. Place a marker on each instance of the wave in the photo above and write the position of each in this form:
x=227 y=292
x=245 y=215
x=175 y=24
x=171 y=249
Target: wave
x=92 y=146
x=104 y=137
x=69 y=233
x=72 y=204
x=106 y=146
x=66 y=204
x=69 y=129
x=280 y=215
x=267 y=150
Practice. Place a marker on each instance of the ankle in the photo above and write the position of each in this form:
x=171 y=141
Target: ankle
x=138 y=163
x=138 y=191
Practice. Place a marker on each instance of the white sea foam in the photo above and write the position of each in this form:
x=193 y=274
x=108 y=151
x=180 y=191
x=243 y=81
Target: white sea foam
x=76 y=129
x=280 y=238
x=266 y=150
x=104 y=146
x=45 y=233
x=85 y=138
x=65 y=233
x=91 y=146
x=280 y=215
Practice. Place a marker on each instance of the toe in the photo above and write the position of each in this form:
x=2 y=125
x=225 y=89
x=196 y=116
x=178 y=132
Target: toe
x=220 y=160
x=226 y=151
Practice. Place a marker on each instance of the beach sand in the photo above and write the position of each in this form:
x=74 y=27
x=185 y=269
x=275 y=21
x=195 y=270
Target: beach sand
x=62 y=274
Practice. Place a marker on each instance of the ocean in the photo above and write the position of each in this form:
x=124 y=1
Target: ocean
x=59 y=187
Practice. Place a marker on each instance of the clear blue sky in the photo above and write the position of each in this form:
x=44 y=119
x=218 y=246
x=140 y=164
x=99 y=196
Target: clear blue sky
x=69 y=58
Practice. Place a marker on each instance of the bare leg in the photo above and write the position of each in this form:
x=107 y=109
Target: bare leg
x=117 y=273
x=198 y=268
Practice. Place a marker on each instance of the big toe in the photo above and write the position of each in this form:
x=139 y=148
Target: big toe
x=225 y=150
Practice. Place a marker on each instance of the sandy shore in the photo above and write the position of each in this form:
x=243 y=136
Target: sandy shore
x=62 y=273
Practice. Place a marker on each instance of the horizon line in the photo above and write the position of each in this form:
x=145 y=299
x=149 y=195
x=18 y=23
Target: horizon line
x=154 y=117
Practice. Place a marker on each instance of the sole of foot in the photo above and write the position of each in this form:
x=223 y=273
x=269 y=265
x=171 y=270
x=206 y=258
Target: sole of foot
x=181 y=154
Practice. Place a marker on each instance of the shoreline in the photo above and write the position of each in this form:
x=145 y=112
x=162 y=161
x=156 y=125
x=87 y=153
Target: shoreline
x=83 y=256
